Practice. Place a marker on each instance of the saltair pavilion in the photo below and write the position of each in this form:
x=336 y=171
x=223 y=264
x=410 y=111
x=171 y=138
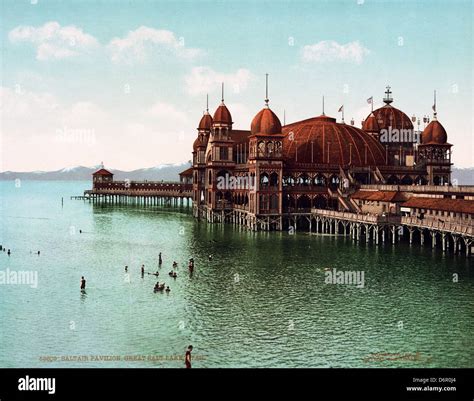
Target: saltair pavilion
x=382 y=182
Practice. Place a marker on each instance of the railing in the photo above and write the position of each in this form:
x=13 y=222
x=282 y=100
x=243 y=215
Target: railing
x=141 y=188
x=441 y=225
x=357 y=217
x=423 y=188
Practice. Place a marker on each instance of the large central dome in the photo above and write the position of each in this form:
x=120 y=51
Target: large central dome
x=322 y=139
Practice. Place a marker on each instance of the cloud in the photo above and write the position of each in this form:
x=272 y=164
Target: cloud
x=162 y=110
x=35 y=124
x=53 y=41
x=330 y=50
x=139 y=45
x=204 y=80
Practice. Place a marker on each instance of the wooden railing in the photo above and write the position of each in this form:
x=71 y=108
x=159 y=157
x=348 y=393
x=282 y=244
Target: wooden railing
x=439 y=224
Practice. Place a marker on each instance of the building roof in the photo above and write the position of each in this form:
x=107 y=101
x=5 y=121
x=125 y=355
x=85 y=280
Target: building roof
x=222 y=115
x=102 y=171
x=380 y=196
x=434 y=134
x=266 y=122
x=324 y=141
x=186 y=173
x=389 y=116
x=206 y=122
x=448 y=205
x=239 y=136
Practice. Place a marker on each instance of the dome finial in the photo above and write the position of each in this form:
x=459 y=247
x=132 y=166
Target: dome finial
x=222 y=89
x=388 y=99
x=435 y=113
x=266 y=90
x=323 y=106
x=207 y=103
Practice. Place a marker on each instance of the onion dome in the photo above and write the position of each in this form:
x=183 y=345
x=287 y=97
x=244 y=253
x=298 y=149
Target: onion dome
x=206 y=122
x=322 y=139
x=434 y=133
x=222 y=115
x=266 y=122
x=388 y=116
x=370 y=124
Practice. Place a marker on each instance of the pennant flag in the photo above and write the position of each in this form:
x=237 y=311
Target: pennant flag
x=370 y=100
x=340 y=109
x=434 y=107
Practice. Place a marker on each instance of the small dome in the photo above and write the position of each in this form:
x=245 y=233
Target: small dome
x=222 y=115
x=389 y=116
x=434 y=133
x=266 y=122
x=371 y=124
x=206 y=122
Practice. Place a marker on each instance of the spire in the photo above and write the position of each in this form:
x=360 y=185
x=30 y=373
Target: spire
x=207 y=103
x=284 y=117
x=323 y=106
x=266 y=90
x=388 y=99
x=435 y=113
x=222 y=93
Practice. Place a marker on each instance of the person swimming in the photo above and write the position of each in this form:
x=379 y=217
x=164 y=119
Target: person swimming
x=175 y=264
x=175 y=275
x=8 y=253
x=157 y=287
x=168 y=289
x=126 y=269
x=160 y=261
x=143 y=269
x=170 y=273
x=83 y=283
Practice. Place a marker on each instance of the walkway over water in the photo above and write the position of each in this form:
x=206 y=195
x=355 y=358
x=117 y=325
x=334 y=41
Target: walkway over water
x=146 y=192
x=452 y=234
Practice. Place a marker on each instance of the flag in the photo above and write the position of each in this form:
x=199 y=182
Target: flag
x=370 y=100
x=340 y=109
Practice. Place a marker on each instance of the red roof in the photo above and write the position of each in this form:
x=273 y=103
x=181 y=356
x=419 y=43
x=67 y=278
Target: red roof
x=222 y=115
x=266 y=122
x=448 y=205
x=206 y=122
x=434 y=133
x=102 y=171
x=380 y=196
x=188 y=172
x=309 y=141
x=389 y=116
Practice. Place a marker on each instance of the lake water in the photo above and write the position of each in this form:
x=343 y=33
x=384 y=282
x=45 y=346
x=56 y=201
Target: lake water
x=262 y=300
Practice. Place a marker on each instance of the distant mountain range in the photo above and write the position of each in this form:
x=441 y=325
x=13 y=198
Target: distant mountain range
x=165 y=172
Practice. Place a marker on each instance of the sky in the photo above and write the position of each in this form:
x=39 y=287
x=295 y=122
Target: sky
x=125 y=82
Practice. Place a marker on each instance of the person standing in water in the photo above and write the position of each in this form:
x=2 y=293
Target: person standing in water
x=83 y=283
x=187 y=358
x=143 y=270
x=126 y=269
x=160 y=261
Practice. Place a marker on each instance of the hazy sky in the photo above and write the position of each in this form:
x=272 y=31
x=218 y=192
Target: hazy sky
x=125 y=82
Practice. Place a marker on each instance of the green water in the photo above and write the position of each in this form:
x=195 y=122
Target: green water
x=262 y=300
